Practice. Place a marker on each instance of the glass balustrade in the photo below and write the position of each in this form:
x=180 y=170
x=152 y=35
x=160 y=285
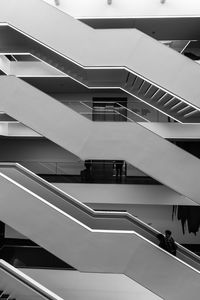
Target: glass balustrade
x=90 y=171
x=107 y=111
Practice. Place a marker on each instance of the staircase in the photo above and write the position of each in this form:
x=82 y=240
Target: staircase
x=81 y=238
x=161 y=100
x=153 y=155
x=158 y=76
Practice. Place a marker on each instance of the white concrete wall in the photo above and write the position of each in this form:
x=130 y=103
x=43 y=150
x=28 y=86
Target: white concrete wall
x=91 y=286
x=124 y=194
x=128 y=8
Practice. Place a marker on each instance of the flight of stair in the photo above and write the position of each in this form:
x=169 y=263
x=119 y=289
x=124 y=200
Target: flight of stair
x=132 y=83
x=129 y=81
x=160 y=99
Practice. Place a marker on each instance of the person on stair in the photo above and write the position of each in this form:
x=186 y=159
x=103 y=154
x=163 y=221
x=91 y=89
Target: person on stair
x=170 y=243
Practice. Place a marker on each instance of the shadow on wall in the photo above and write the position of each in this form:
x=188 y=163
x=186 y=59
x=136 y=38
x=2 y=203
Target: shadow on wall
x=189 y=217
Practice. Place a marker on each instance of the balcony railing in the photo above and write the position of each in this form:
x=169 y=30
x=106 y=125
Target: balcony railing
x=106 y=111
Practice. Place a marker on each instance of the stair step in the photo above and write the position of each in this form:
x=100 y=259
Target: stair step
x=144 y=88
x=165 y=97
x=158 y=95
x=137 y=84
x=141 y=86
x=155 y=92
x=170 y=101
x=151 y=91
x=177 y=105
x=190 y=113
x=148 y=89
x=130 y=80
x=183 y=110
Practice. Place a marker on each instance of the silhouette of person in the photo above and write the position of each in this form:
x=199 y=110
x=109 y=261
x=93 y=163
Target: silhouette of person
x=170 y=243
x=161 y=239
x=88 y=169
x=119 y=167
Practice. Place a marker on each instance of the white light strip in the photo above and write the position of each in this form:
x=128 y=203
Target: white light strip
x=185 y=46
x=3 y=24
x=137 y=17
x=40 y=76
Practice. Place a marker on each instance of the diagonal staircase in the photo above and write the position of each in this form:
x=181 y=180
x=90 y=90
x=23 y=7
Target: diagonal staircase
x=132 y=142
x=158 y=76
x=78 y=235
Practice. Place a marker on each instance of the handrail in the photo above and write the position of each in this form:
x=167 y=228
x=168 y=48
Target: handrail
x=27 y=281
x=114 y=102
x=55 y=167
x=133 y=112
x=151 y=233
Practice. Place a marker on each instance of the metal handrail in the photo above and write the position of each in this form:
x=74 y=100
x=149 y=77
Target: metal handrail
x=114 y=102
x=27 y=281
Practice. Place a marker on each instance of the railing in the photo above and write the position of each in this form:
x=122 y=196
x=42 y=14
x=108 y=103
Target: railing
x=75 y=167
x=102 y=171
x=116 y=112
x=23 y=253
x=54 y=168
x=105 y=111
x=16 y=281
